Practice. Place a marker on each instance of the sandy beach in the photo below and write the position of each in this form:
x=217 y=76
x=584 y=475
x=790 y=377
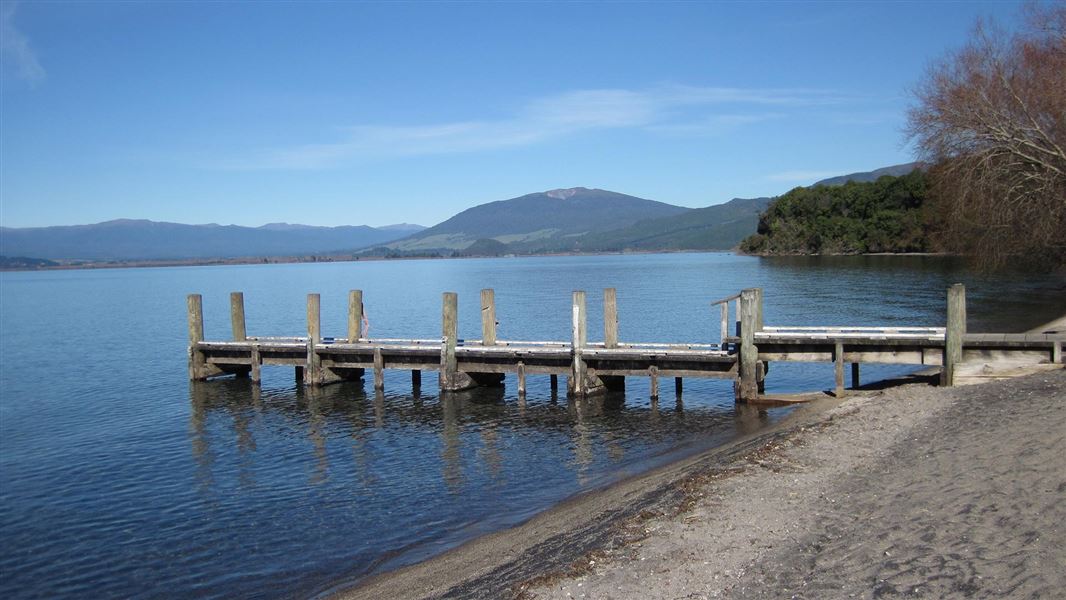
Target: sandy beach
x=912 y=490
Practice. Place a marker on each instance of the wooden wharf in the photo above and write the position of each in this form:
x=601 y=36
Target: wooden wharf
x=742 y=354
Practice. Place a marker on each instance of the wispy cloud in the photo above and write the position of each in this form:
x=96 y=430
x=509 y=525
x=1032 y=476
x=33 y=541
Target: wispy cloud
x=673 y=110
x=15 y=47
x=798 y=176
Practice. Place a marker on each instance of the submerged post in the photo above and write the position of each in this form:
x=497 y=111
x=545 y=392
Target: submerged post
x=955 y=331
x=355 y=316
x=379 y=370
x=748 y=386
x=236 y=316
x=610 y=318
x=488 y=317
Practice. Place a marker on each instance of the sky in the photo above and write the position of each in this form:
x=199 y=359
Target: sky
x=344 y=113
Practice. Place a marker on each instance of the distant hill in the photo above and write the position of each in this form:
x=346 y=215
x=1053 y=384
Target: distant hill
x=894 y=170
x=718 y=227
x=127 y=239
x=538 y=222
x=23 y=262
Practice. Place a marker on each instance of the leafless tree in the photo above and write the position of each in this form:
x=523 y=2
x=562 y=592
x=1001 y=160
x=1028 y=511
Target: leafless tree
x=991 y=119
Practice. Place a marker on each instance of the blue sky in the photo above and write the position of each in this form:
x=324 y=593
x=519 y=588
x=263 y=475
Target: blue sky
x=334 y=113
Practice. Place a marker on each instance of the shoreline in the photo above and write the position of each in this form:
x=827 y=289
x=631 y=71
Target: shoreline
x=78 y=264
x=592 y=541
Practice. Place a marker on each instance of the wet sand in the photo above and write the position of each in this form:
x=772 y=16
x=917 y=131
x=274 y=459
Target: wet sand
x=911 y=490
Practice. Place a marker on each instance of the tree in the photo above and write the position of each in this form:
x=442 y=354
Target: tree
x=991 y=119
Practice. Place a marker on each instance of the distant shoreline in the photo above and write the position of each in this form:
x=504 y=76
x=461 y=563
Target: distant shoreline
x=272 y=260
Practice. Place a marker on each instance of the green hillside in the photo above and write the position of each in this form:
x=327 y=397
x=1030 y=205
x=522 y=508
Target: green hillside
x=538 y=222
x=886 y=215
x=718 y=227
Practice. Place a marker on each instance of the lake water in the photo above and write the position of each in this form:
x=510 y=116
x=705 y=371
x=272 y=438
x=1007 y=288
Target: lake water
x=119 y=478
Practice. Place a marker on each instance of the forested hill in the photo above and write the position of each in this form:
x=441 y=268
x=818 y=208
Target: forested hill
x=886 y=215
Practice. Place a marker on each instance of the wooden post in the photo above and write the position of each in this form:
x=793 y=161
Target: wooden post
x=450 y=333
x=653 y=373
x=521 y=378
x=553 y=380
x=678 y=386
x=195 y=307
x=838 y=359
x=854 y=375
x=1056 y=352
x=379 y=370
x=236 y=316
x=451 y=379
x=610 y=318
x=312 y=372
x=758 y=309
x=488 y=317
x=956 y=330
x=578 y=338
x=725 y=324
x=749 y=353
x=256 y=373
x=355 y=316
x=736 y=310
x=416 y=379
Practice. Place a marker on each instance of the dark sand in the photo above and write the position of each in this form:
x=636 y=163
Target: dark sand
x=910 y=491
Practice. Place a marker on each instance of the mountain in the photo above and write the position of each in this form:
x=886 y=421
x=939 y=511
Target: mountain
x=894 y=170
x=127 y=239
x=551 y=220
x=718 y=227
x=405 y=228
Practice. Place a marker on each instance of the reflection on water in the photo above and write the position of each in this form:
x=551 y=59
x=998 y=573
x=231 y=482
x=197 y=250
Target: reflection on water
x=119 y=478
x=483 y=420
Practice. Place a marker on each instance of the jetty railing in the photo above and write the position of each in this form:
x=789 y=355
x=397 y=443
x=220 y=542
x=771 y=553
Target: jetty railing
x=590 y=367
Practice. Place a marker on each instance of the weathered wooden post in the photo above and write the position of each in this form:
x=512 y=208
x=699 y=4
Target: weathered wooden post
x=236 y=316
x=653 y=375
x=725 y=324
x=758 y=309
x=488 y=317
x=257 y=361
x=614 y=383
x=610 y=318
x=748 y=388
x=955 y=331
x=521 y=378
x=312 y=369
x=451 y=379
x=355 y=316
x=198 y=367
x=678 y=386
x=416 y=379
x=838 y=368
x=578 y=338
x=854 y=375
x=379 y=370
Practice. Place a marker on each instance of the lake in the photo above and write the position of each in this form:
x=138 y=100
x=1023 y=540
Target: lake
x=120 y=478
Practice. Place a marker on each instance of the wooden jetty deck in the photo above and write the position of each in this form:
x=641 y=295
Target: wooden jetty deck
x=593 y=367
